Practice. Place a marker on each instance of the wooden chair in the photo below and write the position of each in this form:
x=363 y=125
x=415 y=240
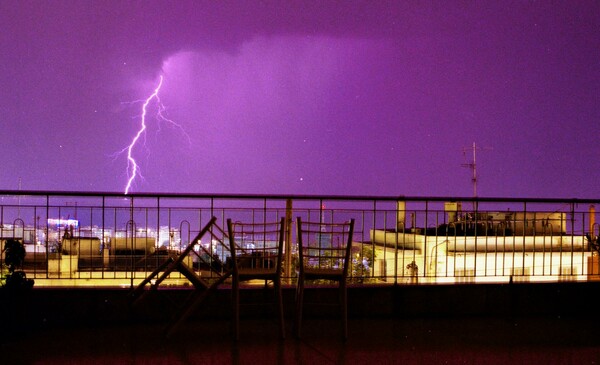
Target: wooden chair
x=256 y=253
x=203 y=286
x=324 y=254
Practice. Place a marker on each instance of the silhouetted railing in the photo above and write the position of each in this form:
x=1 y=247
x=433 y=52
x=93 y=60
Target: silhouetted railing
x=81 y=238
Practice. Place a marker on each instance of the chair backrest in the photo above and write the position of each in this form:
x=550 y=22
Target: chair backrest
x=212 y=253
x=324 y=246
x=256 y=245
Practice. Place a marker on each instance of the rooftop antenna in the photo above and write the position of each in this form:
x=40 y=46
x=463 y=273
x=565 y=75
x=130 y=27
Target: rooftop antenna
x=473 y=167
x=19 y=199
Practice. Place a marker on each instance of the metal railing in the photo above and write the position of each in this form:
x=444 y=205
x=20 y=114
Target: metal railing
x=107 y=239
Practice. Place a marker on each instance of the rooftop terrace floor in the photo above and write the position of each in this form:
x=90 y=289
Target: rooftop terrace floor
x=532 y=324
x=419 y=340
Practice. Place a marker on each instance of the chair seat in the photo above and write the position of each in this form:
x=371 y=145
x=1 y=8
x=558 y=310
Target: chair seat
x=323 y=273
x=258 y=273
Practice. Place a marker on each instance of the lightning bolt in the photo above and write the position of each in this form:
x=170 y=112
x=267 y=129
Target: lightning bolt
x=161 y=117
x=132 y=165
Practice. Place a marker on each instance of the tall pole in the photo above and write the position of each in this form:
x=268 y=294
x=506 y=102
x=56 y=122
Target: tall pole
x=473 y=167
x=474 y=171
x=19 y=200
x=288 y=239
x=592 y=219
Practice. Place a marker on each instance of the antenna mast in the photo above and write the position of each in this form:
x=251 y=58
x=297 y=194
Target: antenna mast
x=19 y=199
x=473 y=167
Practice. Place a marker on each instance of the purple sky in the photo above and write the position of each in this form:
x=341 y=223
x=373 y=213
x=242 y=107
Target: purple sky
x=278 y=97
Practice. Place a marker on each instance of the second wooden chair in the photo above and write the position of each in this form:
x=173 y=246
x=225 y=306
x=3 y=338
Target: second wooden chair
x=324 y=254
x=256 y=252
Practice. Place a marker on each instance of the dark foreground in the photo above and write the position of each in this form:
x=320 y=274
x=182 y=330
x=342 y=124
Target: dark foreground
x=562 y=330
x=373 y=341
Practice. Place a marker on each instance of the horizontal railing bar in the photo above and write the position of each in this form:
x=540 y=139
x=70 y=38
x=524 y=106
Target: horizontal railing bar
x=300 y=197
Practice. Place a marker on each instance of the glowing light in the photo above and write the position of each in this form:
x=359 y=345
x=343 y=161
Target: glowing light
x=132 y=166
x=61 y=222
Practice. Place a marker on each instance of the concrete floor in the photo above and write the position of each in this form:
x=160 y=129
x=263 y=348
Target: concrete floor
x=456 y=340
x=469 y=324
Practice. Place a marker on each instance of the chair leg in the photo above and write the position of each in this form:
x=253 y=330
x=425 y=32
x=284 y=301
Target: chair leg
x=299 y=302
x=277 y=284
x=235 y=294
x=344 y=308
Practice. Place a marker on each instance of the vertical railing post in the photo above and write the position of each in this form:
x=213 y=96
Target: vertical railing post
x=47 y=233
x=105 y=253
x=400 y=229
x=592 y=219
x=132 y=222
x=36 y=223
x=424 y=249
x=157 y=239
x=321 y=213
x=288 y=240
x=373 y=227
